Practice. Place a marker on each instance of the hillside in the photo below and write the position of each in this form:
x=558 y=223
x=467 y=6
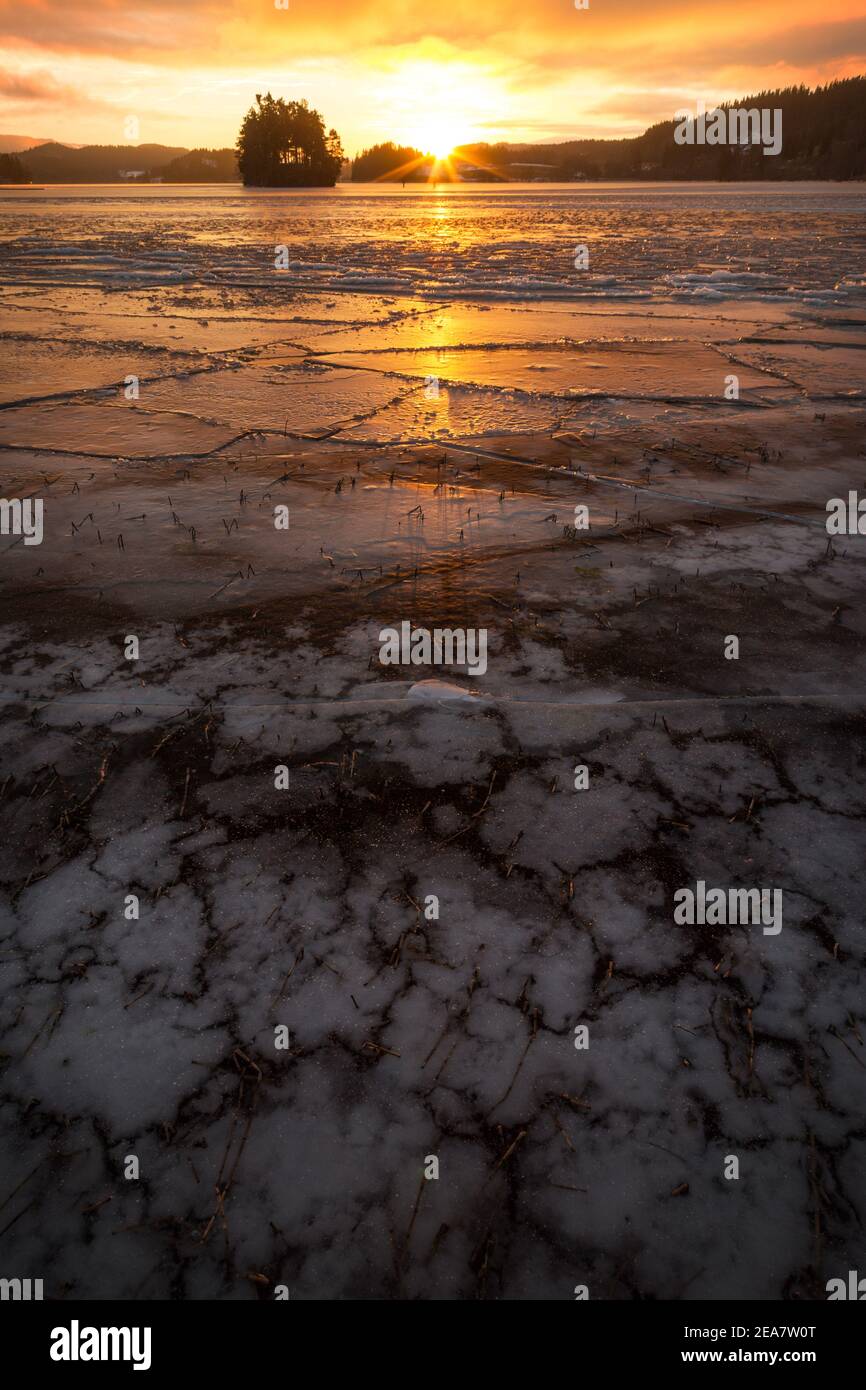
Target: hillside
x=12 y=170
x=824 y=137
x=14 y=144
x=56 y=163
x=203 y=166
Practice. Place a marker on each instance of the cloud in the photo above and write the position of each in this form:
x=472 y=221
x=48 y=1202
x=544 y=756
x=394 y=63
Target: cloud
x=35 y=88
x=803 y=45
x=32 y=86
x=40 y=88
x=544 y=33
x=167 y=29
x=519 y=65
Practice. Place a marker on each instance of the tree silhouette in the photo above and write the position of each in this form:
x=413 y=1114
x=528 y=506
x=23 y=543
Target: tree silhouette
x=283 y=144
x=390 y=161
x=12 y=170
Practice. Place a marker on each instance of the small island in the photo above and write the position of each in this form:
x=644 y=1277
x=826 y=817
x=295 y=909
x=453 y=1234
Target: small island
x=283 y=144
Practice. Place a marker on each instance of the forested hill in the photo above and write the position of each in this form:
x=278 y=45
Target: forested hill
x=823 y=137
x=55 y=163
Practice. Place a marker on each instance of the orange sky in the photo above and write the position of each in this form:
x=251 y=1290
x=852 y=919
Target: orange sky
x=420 y=71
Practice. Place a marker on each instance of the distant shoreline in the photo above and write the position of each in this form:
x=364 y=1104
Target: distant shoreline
x=470 y=185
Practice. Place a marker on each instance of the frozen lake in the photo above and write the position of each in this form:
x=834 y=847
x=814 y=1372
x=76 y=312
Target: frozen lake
x=430 y=390
x=787 y=242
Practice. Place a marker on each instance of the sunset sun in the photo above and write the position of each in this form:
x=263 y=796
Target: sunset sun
x=437 y=135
